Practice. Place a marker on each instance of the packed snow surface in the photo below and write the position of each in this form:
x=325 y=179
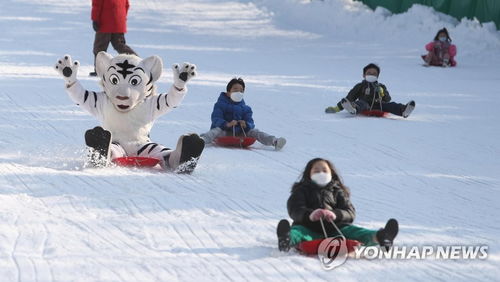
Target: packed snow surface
x=437 y=172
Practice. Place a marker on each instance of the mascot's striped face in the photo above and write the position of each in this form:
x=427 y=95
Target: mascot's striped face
x=127 y=79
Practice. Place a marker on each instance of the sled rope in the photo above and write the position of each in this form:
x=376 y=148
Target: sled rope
x=377 y=93
x=241 y=139
x=244 y=134
x=323 y=227
x=234 y=135
x=334 y=225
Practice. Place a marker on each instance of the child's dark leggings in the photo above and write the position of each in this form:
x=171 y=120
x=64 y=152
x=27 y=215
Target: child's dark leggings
x=391 y=107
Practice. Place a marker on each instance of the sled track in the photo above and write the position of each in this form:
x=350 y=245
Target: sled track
x=60 y=221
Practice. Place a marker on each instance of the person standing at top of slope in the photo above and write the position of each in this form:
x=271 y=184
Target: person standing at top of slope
x=109 y=20
x=369 y=95
x=320 y=194
x=232 y=116
x=441 y=52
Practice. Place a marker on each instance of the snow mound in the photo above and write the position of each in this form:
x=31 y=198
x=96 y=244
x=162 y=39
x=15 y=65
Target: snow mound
x=348 y=19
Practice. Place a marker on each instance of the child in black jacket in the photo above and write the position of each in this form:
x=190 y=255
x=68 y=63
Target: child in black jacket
x=369 y=95
x=320 y=194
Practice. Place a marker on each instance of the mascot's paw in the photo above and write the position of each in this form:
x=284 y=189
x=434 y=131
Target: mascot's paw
x=182 y=74
x=187 y=153
x=67 y=69
x=98 y=140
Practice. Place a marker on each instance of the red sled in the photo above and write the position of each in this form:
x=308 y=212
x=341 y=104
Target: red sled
x=136 y=161
x=374 y=113
x=311 y=247
x=234 y=141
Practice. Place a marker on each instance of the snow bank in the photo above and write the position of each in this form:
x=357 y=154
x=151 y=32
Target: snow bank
x=352 y=20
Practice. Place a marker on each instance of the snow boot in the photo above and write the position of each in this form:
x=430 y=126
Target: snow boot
x=408 y=109
x=385 y=236
x=279 y=143
x=446 y=63
x=99 y=140
x=283 y=232
x=93 y=74
x=348 y=106
x=186 y=155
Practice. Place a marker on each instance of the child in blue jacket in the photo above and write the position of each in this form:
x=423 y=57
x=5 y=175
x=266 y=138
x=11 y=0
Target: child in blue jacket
x=232 y=116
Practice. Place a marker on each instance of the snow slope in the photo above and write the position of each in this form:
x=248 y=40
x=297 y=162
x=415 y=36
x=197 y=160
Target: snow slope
x=437 y=172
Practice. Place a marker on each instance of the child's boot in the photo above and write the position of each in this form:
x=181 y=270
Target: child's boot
x=279 y=143
x=410 y=106
x=386 y=235
x=283 y=232
x=348 y=106
x=446 y=63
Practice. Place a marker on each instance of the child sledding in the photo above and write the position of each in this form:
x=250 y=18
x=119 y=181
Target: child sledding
x=320 y=203
x=128 y=107
x=231 y=116
x=441 y=52
x=369 y=96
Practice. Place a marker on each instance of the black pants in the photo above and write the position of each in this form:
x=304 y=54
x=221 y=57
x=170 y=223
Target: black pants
x=391 y=107
x=102 y=40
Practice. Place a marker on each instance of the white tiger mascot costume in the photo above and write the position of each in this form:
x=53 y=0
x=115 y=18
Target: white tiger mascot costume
x=128 y=107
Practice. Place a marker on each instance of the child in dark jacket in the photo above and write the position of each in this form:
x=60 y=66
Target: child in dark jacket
x=369 y=95
x=320 y=194
x=232 y=116
x=441 y=52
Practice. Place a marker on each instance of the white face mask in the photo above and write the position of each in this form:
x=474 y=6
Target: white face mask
x=237 y=96
x=371 y=78
x=321 y=178
x=442 y=38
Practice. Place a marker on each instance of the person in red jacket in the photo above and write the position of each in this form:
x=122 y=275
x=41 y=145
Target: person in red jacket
x=109 y=20
x=441 y=52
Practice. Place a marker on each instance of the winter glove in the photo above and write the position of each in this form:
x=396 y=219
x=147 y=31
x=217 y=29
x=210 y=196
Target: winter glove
x=95 y=26
x=332 y=110
x=316 y=215
x=231 y=123
x=182 y=74
x=242 y=123
x=322 y=213
x=67 y=69
x=329 y=215
x=381 y=91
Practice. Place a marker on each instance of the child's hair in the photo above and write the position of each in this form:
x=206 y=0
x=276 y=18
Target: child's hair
x=445 y=31
x=234 y=81
x=371 y=66
x=306 y=175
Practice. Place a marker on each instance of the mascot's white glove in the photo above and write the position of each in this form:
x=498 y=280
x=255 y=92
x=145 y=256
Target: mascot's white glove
x=67 y=69
x=182 y=74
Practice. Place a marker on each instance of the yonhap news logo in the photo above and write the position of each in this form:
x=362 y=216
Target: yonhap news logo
x=333 y=252
x=423 y=252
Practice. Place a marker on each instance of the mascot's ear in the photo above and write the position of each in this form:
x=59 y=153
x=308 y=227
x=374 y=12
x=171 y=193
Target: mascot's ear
x=102 y=61
x=154 y=66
